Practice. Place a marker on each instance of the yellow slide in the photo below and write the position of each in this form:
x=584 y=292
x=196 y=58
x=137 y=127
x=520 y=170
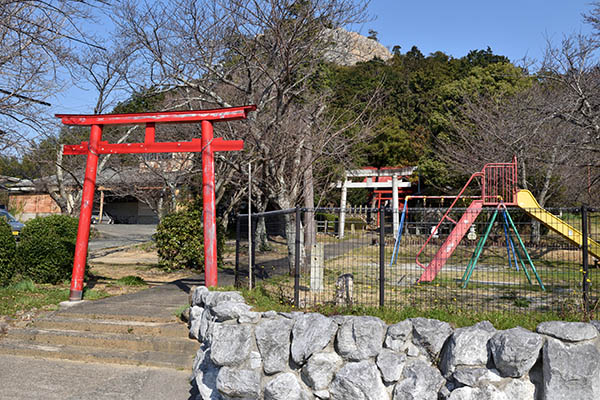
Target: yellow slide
x=530 y=205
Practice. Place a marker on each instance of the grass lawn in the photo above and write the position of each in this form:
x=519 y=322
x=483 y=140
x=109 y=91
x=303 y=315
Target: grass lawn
x=264 y=300
x=27 y=296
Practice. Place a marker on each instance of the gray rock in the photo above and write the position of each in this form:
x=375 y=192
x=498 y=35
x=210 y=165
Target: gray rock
x=205 y=375
x=358 y=381
x=195 y=319
x=273 y=340
x=512 y=389
x=397 y=335
x=311 y=333
x=569 y=331
x=466 y=347
x=359 y=338
x=227 y=310
x=206 y=326
x=571 y=371
x=320 y=369
x=231 y=344
x=421 y=382
x=250 y=317
x=596 y=325
x=519 y=389
x=348 y=48
x=444 y=392
x=291 y=315
x=486 y=326
x=269 y=314
x=466 y=393
x=485 y=393
x=390 y=365
x=465 y=376
x=196 y=312
x=340 y=319
x=214 y=298
x=430 y=334
x=515 y=351
x=198 y=296
x=321 y=394
x=239 y=383
x=412 y=350
x=285 y=387
x=255 y=360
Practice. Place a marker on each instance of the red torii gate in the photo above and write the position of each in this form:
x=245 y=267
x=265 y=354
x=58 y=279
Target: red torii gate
x=207 y=145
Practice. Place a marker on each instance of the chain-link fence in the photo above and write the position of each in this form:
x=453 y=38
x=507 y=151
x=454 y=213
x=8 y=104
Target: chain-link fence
x=480 y=258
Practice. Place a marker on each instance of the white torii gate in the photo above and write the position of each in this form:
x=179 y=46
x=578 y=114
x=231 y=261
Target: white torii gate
x=397 y=175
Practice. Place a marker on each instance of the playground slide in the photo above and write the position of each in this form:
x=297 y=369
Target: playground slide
x=530 y=205
x=459 y=231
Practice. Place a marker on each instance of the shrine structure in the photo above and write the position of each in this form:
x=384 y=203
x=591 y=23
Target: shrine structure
x=208 y=144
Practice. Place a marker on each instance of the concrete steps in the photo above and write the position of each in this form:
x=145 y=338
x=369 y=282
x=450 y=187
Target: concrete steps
x=104 y=339
x=109 y=325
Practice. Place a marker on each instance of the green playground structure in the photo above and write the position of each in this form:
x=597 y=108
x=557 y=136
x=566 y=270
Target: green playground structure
x=513 y=252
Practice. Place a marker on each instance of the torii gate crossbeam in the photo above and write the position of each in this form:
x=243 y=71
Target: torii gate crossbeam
x=207 y=145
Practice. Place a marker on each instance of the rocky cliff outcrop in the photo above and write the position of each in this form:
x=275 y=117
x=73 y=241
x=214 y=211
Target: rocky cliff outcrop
x=348 y=48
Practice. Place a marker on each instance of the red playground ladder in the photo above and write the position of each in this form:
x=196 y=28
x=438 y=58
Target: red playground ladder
x=459 y=231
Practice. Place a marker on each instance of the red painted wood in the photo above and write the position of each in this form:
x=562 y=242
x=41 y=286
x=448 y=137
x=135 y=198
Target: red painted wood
x=208 y=203
x=85 y=215
x=207 y=145
x=194 y=146
x=220 y=114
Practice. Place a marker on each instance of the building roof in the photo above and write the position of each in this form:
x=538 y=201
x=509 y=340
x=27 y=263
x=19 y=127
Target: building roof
x=107 y=178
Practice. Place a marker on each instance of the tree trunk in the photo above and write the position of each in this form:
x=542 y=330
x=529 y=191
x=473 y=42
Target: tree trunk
x=290 y=233
x=309 y=215
x=262 y=243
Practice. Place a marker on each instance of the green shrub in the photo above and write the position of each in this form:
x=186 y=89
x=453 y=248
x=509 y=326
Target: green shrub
x=46 y=248
x=180 y=241
x=8 y=248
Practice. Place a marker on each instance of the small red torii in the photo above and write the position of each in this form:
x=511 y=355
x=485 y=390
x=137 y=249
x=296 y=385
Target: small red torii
x=207 y=145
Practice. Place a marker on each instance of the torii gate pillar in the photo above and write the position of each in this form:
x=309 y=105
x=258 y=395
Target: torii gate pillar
x=207 y=145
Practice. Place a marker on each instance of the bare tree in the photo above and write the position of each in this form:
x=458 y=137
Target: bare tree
x=220 y=53
x=495 y=129
x=37 y=40
x=229 y=52
x=106 y=72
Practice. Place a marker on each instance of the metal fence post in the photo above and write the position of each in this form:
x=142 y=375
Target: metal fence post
x=253 y=271
x=381 y=256
x=584 y=247
x=297 y=261
x=238 y=233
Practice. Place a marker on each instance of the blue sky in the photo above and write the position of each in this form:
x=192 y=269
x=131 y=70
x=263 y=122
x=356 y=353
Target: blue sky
x=511 y=28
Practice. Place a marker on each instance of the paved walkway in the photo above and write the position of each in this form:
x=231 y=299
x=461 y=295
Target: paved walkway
x=43 y=378
x=26 y=378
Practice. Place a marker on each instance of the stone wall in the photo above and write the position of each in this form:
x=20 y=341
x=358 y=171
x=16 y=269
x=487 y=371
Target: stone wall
x=277 y=356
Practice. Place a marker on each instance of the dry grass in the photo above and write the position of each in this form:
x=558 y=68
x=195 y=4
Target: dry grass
x=139 y=261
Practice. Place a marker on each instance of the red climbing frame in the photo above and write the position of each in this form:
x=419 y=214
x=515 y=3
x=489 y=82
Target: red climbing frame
x=499 y=186
x=207 y=145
